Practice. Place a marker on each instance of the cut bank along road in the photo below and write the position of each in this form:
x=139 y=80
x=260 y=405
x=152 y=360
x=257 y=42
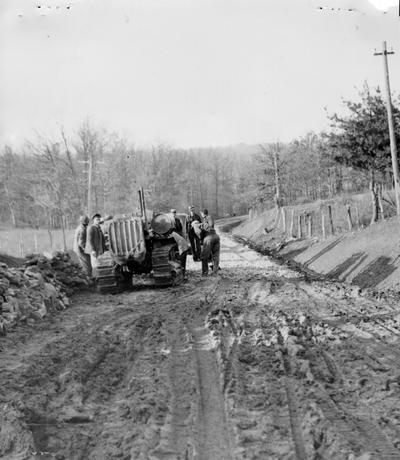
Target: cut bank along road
x=256 y=363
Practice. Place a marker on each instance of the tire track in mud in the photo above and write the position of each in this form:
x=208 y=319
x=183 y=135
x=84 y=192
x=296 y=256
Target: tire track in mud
x=210 y=430
x=250 y=403
x=293 y=406
x=70 y=386
x=344 y=424
x=176 y=440
x=358 y=323
x=213 y=435
x=370 y=344
x=347 y=415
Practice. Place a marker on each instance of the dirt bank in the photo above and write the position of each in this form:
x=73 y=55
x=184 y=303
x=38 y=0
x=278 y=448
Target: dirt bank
x=369 y=258
x=256 y=363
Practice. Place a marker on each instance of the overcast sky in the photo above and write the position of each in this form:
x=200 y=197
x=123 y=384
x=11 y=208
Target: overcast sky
x=189 y=72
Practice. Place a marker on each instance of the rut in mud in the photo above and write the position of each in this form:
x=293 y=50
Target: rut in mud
x=256 y=363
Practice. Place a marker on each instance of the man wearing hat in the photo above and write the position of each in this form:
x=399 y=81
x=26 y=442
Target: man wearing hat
x=211 y=244
x=193 y=238
x=80 y=243
x=178 y=223
x=96 y=239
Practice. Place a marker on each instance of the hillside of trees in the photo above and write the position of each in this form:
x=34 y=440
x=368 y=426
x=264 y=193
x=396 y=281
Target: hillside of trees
x=45 y=183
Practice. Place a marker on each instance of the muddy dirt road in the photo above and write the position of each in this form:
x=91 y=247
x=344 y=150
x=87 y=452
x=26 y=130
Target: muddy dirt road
x=256 y=363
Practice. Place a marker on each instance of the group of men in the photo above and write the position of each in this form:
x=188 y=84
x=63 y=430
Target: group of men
x=89 y=241
x=204 y=240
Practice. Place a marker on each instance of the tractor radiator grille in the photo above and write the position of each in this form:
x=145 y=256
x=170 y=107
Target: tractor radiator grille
x=125 y=235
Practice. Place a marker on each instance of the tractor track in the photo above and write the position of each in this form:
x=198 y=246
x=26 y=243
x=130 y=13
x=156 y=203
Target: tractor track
x=345 y=414
x=360 y=319
x=333 y=394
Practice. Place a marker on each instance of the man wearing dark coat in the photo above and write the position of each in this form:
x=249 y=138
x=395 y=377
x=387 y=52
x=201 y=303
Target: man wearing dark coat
x=177 y=222
x=211 y=244
x=96 y=240
x=193 y=238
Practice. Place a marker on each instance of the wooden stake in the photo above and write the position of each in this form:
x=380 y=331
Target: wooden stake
x=330 y=220
x=278 y=218
x=21 y=245
x=299 y=229
x=51 y=240
x=381 y=204
x=349 y=221
x=323 y=224
x=283 y=210
x=310 y=219
x=358 y=218
x=292 y=223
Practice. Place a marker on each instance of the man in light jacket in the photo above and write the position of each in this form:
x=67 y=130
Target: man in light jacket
x=80 y=244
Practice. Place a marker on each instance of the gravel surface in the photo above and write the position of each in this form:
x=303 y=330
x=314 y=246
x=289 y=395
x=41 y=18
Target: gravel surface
x=255 y=363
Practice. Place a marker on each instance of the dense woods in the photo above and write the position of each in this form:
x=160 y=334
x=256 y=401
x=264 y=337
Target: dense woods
x=45 y=183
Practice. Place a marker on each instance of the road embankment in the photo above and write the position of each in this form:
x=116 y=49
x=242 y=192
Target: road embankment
x=368 y=258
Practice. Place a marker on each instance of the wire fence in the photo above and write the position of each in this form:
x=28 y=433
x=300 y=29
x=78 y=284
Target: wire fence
x=20 y=242
x=324 y=218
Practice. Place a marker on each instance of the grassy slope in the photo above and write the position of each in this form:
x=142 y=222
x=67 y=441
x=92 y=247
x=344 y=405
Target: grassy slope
x=369 y=257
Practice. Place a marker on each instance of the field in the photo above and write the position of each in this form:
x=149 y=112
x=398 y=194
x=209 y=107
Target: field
x=20 y=242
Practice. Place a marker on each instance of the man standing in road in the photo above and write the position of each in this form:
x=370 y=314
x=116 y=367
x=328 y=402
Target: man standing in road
x=80 y=244
x=211 y=245
x=177 y=222
x=96 y=240
x=183 y=248
x=193 y=237
x=208 y=221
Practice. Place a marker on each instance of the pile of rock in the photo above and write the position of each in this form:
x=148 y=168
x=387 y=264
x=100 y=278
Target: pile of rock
x=61 y=269
x=38 y=287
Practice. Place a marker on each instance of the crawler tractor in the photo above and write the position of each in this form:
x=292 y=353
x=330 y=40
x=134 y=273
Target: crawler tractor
x=140 y=253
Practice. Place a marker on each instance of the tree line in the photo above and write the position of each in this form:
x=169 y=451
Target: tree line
x=45 y=182
x=353 y=156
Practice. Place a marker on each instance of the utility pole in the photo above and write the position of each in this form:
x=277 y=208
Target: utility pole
x=393 y=147
x=89 y=162
x=90 y=178
x=275 y=153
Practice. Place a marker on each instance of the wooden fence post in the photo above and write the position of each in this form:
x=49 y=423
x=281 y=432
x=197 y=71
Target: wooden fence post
x=349 y=221
x=381 y=205
x=276 y=217
x=283 y=210
x=299 y=229
x=63 y=232
x=310 y=221
x=36 y=243
x=292 y=223
x=358 y=218
x=21 y=245
x=323 y=224
x=330 y=220
x=51 y=240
